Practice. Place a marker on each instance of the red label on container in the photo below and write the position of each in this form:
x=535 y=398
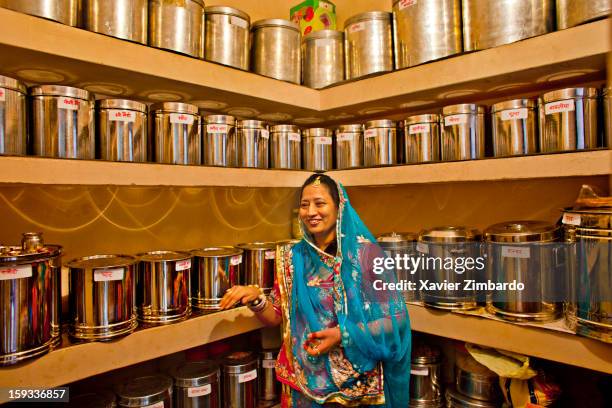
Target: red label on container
x=69 y=103
x=265 y=133
x=422 y=247
x=406 y=3
x=183 y=265
x=236 y=260
x=370 y=133
x=344 y=137
x=268 y=363
x=106 y=275
x=217 y=128
x=418 y=128
x=2 y=95
x=512 y=114
x=116 y=115
x=455 y=120
x=199 y=391
x=15 y=272
x=353 y=28
x=159 y=404
x=181 y=118
x=323 y=140
x=250 y=376
x=559 y=106
x=270 y=254
x=515 y=252
x=294 y=137
x=419 y=371
x=571 y=219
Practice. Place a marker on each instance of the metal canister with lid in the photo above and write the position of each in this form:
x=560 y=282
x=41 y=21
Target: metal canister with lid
x=102 y=297
x=349 y=146
x=269 y=387
x=123 y=19
x=380 y=144
x=317 y=149
x=368 y=44
x=413 y=43
x=514 y=127
x=13 y=122
x=475 y=380
x=422 y=138
x=152 y=391
x=219 y=142
x=30 y=299
x=568 y=120
x=63 y=11
x=215 y=270
x=196 y=385
x=177 y=26
x=63 y=122
x=240 y=380
x=122 y=130
x=426 y=377
x=402 y=244
x=259 y=261
x=227 y=36
x=177 y=133
x=323 y=58
x=276 y=49
x=573 y=12
x=463 y=134
x=252 y=144
x=607 y=107
x=285 y=147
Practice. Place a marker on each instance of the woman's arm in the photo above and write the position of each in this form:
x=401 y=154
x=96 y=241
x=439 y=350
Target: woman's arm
x=245 y=295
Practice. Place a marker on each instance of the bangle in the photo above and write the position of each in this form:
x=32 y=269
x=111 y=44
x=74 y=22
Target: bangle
x=259 y=304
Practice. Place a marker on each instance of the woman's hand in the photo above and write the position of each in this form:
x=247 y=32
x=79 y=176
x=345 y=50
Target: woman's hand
x=238 y=294
x=322 y=341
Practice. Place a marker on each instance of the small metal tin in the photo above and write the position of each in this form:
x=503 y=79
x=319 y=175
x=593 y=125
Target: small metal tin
x=219 y=142
x=177 y=26
x=240 y=380
x=349 y=146
x=197 y=384
x=13 y=123
x=275 y=49
x=127 y=20
x=380 y=143
x=368 y=44
x=122 y=130
x=514 y=125
x=227 y=36
x=317 y=149
x=322 y=58
x=259 y=264
x=285 y=147
x=252 y=144
x=145 y=392
x=422 y=138
x=215 y=270
x=463 y=132
x=177 y=133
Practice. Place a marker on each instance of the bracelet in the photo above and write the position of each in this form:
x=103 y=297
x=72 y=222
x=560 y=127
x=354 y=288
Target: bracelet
x=259 y=304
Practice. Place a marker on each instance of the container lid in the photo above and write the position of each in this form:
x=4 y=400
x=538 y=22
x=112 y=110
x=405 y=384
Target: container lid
x=284 y=128
x=59 y=90
x=98 y=399
x=368 y=15
x=220 y=120
x=251 y=124
x=396 y=237
x=427 y=118
x=275 y=22
x=317 y=132
x=456 y=399
x=569 y=93
x=324 y=34
x=160 y=256
x=239 y=362
x=29 y=251
x=287 y=242
x=514 y=104
x=101 y=261
x=230 y=11
x=257 y=246
x=462 y=108
x=522 y=231
x=381 y=123
x=143 y=391
x=11 y=83
x=425 y=354
x=212 y=252
x=178 y=107
x=350 y=128
x=268 y=354
x=122 y=104
x=450 y=234
x=195 y=374
x=593 y=218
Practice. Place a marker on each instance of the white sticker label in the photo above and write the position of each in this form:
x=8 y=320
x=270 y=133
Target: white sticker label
x=159 y=404
x=370 y=133
x=571 y=219
x=512 y=114
x=237 y=21
x=181 y=118
x=515 y=252
x=270 y=254
x=265 y=133
x=105 y=275
x=344 y=137
x=217 y=128
x=455 y=120
x=294 y=137
x=183 y=265
x=418 y=128
x=353 y=28
x=323 y=140
x=2 y=95
x=559 y=106
x=236 y=260
x=268 y=363
x=116 y=115
x=15 y=272
x=389 y=254
x=419 y=371
x=250 y=376
x=422 y=247
x=199 y=391
x=406 y=3
x=68 y=103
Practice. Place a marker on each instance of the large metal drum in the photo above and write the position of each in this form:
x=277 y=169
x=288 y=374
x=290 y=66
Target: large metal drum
x=219 y=140
x=154 y=391
x=368 y=44
x=269 y=387
x=573 y=12
x=422 y=138
x=380 y=143
x=514 y=126
x=463 y=133
x=403 y=245
x=276 y=49
x=196 y=385
x=177 y=26
x=252 y=144
x=259 y=261
x=317 y=149
x=122 y=130
x=13 y=124
x=240 y=380
x=177 y=133
x=349 y=146
x=215 y=270
x=285 y=147
x=426 y=377
x=227 y=36
x=125 y=19
x=64 y=11
x=323 y=58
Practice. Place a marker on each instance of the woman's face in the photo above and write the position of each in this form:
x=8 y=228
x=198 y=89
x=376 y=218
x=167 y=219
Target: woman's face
x=318 y=211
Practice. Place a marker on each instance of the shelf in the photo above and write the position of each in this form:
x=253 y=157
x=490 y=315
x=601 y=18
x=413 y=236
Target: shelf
x=547 y=344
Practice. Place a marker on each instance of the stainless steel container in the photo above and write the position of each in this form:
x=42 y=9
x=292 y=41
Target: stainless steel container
x=240 y=380
x=380 y=144
x=125 y=19
x=463 y=134
x=476 y=381
x=259 y=261
x=63 y=122
x=402 y=244
x=252 y=144
x=454 y=399
x=122 y=130
x=227 y=36
x=317 y=149
x=426 y=377
x=102 y=297
x=64 y=11
x=322 y=58
x=13 y=125
x=514 y=126
x=349 y=146
x=285 y=147
x=154 y=391
x=275 y=50
x=269 y=387
x=219 y=140
x=368 y=44
x=568 y=120
x=426 y=30
x=215 y=270
x=177 y=26
x=607 y=107
x=30 y=299
x=196 y=385
x=162 y=287
x=573 y=12
x=422 y=138
x=176 y=133
x=487 y=24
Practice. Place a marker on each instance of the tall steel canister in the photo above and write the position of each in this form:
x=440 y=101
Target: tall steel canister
x=402 y=245
x=269 y=387
x=63 y=11
x=488 y=24
x=607 y=107
x=368 y=44
x=573 y=12
x=317 y=149
x=227 y=36
x=259 y=261
x=219 y=142
x=13 y=122
x=177 y=26
x=349 y=146
x=63 y=122
x=214 y=271
x=514 y=126
x=426 y=381
x=422 y=138
x=31 y=299
x=252 y=144
x=568 y=120
x=176 y=133
x=123 y=19
x=285 y=147
x=426 y=30
x=196 y=385
x=322 y=58
x=240 y=380
x=463 y=134
x=527 y=253
x=380 y=143
x=122 y=130
x=275 y=49
x=102 y=297
x=153 y=391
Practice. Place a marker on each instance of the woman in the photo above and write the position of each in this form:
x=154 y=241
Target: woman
x=344 y=344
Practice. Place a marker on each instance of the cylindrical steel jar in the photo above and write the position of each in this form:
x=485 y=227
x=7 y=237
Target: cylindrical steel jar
x=322 y=58
x=474 y=380
x=154 y=391
x=219 y=140
x=514 y=126
x=64 y=11
x=426 y=30
x=196 y=385
x=422 y=138
x=125 y=19
x=463 y=133
x=227 y=36
x=426 y=377
x=102 y=297
x=368 y=44
x=240 y=380
x=285 y=147
x=573 y=12
x=349 y=146
x=276 y=49
x=122 y=130
x=269 y=387
x=317 y=149
x=63 y=122
x=402 y=244
x=607 y=107
x=380 y=143
x=454 y=399
x=13 y=124
x=252 y=144
x=177 y=26
x=488 y=24
x=259 y=261
x=31 y=299
x=214 y=271
x=176 y=133
x=568 y=120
